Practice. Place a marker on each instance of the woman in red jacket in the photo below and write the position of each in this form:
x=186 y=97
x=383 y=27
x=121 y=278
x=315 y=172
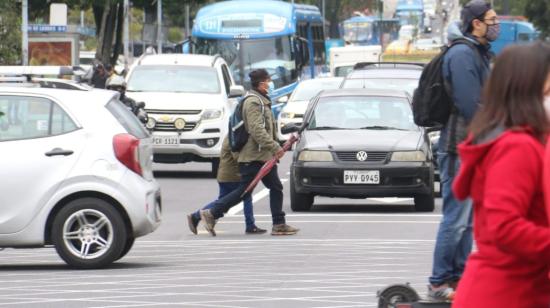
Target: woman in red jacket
x=502 y=171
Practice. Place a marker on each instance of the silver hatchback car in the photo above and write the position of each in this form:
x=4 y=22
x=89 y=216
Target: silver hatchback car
x=76 y=170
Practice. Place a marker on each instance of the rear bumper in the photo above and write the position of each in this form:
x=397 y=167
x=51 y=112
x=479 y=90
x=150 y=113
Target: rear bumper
x=399 y=179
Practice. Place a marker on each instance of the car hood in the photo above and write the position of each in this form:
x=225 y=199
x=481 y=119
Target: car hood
x=179 y=101
x=371 y=140
x=298 y=107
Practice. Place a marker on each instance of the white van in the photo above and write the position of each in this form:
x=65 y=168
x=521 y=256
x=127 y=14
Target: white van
x=342 y=59
x=189 y=99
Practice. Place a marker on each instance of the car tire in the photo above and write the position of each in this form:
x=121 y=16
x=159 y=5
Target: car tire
x=424 y=203
x=299 y=202
x=127 y=246
x=215 y=164
x=91 y=226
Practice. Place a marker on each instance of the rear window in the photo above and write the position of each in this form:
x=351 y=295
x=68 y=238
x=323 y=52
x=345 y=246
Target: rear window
x=127 y=119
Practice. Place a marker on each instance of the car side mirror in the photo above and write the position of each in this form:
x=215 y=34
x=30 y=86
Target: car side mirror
x=236 y=91
x=141 y=105
x=289 y=128
x=282 y=100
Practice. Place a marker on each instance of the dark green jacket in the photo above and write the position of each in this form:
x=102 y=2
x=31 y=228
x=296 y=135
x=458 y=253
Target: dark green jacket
x=260 y=125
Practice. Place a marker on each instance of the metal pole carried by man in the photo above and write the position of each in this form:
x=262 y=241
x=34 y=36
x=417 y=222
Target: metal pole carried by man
x=261 y=146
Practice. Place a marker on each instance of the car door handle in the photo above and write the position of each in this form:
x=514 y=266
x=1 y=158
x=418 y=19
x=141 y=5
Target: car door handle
x=59 y=151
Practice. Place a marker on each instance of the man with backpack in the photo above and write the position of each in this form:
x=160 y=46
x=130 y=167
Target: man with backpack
x=465 y=67
x=260 y=146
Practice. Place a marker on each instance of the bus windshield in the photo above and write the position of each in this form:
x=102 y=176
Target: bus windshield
x=358 y=32
x=243 y=56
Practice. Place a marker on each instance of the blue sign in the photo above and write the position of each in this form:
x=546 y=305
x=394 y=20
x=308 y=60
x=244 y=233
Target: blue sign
x=47 y=28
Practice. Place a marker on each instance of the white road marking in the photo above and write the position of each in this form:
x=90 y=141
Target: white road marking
x=255 y=198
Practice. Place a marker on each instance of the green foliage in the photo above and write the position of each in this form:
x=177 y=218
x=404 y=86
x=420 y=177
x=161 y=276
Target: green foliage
x=10 y=33
x=538 y=12
x=175 y=34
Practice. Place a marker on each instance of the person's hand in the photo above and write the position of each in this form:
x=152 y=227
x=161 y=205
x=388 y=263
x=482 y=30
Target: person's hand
x=280 y=154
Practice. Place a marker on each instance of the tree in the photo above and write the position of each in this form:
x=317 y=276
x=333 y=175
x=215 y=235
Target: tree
x=10 y=33
x=538 y=12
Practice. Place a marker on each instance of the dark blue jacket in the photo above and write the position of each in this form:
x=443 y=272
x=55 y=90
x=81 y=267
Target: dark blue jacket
x=466 y=72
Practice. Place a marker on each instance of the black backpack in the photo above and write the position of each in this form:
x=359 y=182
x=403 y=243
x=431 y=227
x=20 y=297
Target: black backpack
x=238 y=136
x=432 y=101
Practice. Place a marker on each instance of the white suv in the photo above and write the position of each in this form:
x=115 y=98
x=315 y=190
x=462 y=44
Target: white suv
x=189 y=99
x=76 y=173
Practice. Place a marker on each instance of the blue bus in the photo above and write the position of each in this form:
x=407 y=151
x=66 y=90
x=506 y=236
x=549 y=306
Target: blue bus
x=514 y=32
x=370 y=30
x=410 y=12
x=286 y=39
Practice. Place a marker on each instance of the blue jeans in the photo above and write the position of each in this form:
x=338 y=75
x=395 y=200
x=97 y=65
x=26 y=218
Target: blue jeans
x=271 y=180
x=226 y=188
x=454 y=238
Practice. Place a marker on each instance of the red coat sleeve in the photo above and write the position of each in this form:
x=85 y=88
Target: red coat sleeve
x=512 y=179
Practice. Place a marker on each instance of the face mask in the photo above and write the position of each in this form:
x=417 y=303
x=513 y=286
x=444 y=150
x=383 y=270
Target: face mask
x=270 y=88
x=493 y=31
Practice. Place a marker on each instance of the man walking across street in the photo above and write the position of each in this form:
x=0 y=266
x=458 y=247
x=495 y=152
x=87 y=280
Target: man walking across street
x=260 y=147
x=228 y=180
x=465 y=68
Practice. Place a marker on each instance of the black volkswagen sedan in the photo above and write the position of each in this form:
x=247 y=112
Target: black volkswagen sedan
x=360 y=143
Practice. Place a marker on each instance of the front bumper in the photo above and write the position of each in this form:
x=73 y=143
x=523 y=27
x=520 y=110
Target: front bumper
x=397 y=179
x=202 y=143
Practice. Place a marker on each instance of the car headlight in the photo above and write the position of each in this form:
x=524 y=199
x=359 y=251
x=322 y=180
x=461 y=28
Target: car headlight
x=211 y=114
x=287 y=115
x=151 y=123
x=315 y=156
x=408 y=156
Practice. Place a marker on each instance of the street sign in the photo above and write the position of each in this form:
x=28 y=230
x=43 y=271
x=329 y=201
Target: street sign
x=46 y=28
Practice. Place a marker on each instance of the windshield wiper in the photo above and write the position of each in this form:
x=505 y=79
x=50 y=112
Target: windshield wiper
x=325 y=128
x=380 y=127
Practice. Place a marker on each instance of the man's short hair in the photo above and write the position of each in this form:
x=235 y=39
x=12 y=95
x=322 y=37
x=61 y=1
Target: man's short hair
x=108 y=66
x=475 y=9
x=257 y=76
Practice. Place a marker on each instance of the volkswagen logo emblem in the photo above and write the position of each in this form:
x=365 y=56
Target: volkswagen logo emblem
x=361 y=156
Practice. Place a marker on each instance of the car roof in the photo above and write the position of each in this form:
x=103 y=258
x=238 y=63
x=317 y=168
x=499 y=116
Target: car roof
x=363 y=92
x=64 y=95
x=179 y=59
x=321 y=80
x=385 y=72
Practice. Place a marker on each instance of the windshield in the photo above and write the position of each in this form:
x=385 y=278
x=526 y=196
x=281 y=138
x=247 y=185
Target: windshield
x=410 y=17
x=358 y=31
x=306 y=90
x=408 y=85
x=243 y=56
x=362 y=112
x=173 y=78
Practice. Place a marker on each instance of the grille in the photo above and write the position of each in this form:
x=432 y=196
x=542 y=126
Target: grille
x=371 y=156
x=163 y=111
x=169 y=127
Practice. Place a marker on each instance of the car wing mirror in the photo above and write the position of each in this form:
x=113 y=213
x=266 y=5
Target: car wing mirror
x=141 y=105
x=289 y=128
x=236 y=91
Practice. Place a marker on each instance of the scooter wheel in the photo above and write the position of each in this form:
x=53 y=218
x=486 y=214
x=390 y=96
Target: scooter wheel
x=396 y=294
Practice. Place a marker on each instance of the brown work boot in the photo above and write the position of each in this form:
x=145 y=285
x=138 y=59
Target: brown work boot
x=209 y=221
x=283 y=229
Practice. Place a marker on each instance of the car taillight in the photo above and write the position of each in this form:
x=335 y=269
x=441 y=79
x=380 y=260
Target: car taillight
x=126 y=149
